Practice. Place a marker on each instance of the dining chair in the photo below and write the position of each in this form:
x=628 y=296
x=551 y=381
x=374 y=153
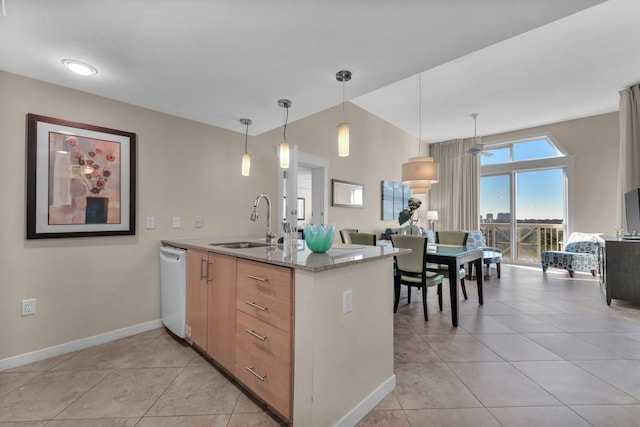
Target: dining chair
x=458 y=238
x=362 y=238
x=345 y=234
x=411 y=270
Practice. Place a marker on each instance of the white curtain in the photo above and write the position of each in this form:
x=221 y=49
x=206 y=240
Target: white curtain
x=629 y=160
x=456 y=196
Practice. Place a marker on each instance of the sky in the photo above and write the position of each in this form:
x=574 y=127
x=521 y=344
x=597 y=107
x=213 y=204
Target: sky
x=539 y=194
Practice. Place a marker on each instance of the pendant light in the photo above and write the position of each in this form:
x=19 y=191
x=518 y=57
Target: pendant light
x=284 y=145
x=246 y=158
x=420 y=172
x=343 y=128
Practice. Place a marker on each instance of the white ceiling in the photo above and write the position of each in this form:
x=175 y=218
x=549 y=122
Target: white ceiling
x=518 y=63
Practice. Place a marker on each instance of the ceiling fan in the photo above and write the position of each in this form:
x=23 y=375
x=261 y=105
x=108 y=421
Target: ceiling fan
x=477 y=147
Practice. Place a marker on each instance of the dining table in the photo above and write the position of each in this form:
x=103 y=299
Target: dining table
x=454 y=257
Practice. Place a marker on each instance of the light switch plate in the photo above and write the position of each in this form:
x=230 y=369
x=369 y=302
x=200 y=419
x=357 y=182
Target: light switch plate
x=177 y=222
x=347 y=301
x=151 y=222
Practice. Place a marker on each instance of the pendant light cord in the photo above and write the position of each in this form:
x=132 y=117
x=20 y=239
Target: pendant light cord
x=286 y=119
x=343 y=100
x=246 y=136
x=419 y=113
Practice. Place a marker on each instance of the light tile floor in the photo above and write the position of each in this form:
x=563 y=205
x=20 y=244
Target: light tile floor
x=543 y=350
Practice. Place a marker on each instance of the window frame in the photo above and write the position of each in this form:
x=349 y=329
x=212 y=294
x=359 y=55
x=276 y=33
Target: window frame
x=563 y=161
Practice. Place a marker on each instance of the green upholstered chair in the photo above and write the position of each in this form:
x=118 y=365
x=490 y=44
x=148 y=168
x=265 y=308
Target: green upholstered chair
x=411 y=270
x=345 y=234
x=362 y=238
x=458 y=238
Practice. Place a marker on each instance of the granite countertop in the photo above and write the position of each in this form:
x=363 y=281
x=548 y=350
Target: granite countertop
x=300 y=257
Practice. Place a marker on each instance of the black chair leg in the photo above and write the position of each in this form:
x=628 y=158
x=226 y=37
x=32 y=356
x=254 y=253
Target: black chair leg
x=424 y=302
x=396 y=293
x=408 y=294
x=464 y=290
x=440 y=296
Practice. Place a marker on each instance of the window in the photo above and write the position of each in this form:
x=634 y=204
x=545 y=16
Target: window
x=524 y=193
x=539 y=148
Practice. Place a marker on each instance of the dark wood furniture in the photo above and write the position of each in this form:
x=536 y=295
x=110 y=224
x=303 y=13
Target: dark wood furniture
x=454 y=257
x=621 y=274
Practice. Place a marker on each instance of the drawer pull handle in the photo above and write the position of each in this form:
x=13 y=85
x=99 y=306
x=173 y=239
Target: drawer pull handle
x=259 y=307
x=252 y=332
x=260 y=377
x=261 y=279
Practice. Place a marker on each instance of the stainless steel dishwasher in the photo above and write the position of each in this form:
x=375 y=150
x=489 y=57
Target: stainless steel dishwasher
x=173 y=288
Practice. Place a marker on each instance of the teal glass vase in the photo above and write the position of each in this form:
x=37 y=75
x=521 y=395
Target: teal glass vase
x=319 y=237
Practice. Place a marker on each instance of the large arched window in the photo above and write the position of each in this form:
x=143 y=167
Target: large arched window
x=525 y=196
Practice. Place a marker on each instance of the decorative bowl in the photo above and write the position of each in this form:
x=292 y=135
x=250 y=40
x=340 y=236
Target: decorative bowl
x=319 y=237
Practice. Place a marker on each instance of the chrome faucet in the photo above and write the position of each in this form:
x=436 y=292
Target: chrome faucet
x=254 y=216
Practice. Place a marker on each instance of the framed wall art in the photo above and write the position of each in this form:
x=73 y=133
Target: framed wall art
x=395 y=196
x=80 y=179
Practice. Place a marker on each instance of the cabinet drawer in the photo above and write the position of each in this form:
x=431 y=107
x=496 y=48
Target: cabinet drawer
x=269 y=280
x=271 y=381
x=251 y=332
x=271 y=310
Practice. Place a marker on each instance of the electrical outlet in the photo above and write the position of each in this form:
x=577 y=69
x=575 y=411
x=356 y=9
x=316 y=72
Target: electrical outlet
x=347 y=302
x=28 y=306
x=151 y=222
x=199 y=222
x=177 y=222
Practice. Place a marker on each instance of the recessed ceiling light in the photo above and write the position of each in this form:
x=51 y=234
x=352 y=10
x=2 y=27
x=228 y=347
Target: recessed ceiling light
x=79 y=67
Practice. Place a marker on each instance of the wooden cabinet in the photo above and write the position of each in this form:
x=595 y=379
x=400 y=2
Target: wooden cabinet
x=264 y=325
x=240 y=313
x=196 y=315
x=211 y=296
x=221 y=297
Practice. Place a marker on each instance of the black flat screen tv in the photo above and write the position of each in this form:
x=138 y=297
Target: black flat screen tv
x=632 y=210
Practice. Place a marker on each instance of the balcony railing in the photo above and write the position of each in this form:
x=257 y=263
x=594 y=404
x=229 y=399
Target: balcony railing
x=533 y=238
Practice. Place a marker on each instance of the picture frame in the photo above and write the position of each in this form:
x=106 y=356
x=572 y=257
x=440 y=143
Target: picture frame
x=300 y=208
x=347 y=194
x=81 y=179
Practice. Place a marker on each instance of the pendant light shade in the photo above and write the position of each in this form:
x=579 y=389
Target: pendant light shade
x=343 y=128
x=284 y=154
x=246 y=164
x=420 y=172
x=246 y=158
x=284 y=145
x=343 y=139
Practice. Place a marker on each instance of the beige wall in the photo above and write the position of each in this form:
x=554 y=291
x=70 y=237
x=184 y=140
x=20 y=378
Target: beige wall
x=89 y=286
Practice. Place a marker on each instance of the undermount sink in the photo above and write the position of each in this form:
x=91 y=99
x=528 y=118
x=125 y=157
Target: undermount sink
x=240 y=245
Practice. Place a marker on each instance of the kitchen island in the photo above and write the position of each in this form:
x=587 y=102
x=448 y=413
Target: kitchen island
x=313 y=331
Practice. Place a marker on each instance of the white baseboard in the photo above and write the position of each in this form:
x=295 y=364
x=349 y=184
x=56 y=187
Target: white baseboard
x=57 y=350
x=363 y=408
